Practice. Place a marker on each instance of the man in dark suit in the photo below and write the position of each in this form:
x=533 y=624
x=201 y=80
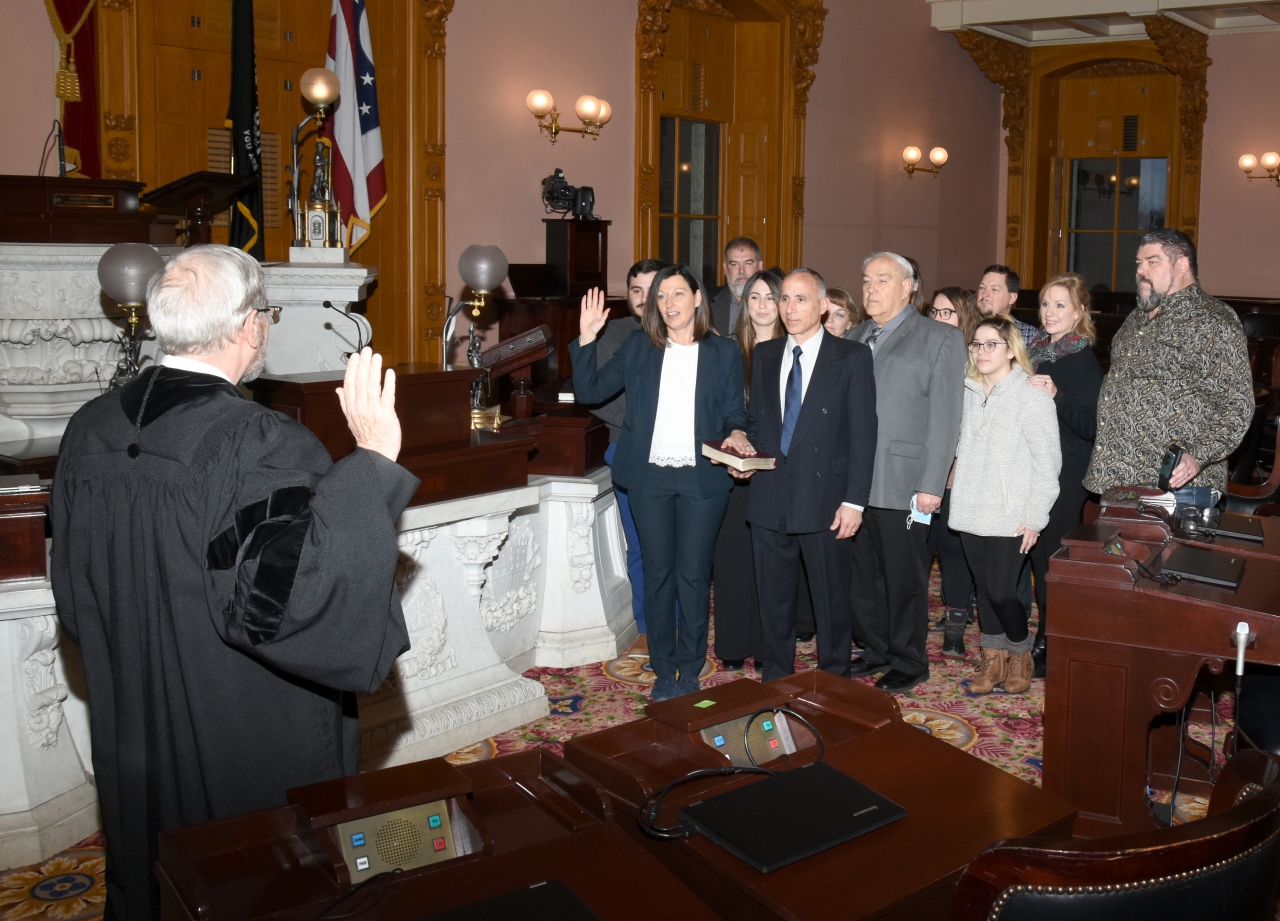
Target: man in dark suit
x=741 y=261
x=813 y=407
x=919 y=370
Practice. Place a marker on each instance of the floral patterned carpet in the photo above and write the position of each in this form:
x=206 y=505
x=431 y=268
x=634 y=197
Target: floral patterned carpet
x=1005 y=730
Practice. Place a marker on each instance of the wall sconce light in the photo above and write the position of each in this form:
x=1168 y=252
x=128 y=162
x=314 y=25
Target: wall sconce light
x=1270 y=162
x=911 y=155
x=124 y=271
x=592 y=112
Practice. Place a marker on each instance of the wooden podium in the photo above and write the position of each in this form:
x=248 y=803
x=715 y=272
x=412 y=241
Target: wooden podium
x=434 y=406
x=199 y=197
x=52 y=209
x=1125 y=649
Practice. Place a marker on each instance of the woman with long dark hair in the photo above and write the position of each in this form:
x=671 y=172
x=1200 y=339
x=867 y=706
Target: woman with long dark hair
x=684 y=387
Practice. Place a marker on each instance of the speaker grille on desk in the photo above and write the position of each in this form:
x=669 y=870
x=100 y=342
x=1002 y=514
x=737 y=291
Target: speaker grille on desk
x=398 y=842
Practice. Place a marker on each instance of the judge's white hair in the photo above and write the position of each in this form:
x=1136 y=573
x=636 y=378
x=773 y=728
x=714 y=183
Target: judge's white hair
x=199 y=302
x=907 y=270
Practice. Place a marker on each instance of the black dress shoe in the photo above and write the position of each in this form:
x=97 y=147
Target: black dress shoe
x=733 y=665
x=1038 y=657
x=805 y=636
x=860 y=667
x=897 y=682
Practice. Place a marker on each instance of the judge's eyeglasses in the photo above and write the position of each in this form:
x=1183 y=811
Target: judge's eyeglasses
x=274 y=311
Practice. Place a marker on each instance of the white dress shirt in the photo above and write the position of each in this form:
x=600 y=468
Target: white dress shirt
x=178 y=363
x=808 y=360
x=675 y=440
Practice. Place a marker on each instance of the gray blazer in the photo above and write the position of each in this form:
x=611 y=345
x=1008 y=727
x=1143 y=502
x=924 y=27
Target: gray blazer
x=919 y=404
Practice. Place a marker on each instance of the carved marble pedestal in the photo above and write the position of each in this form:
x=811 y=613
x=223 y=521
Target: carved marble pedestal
x=47 y=802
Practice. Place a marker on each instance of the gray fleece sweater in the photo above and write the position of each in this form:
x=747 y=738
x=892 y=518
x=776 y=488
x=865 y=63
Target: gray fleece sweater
x=1008 y=459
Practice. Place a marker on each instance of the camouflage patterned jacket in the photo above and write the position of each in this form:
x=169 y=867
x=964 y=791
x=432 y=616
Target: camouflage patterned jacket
x=1181 y=378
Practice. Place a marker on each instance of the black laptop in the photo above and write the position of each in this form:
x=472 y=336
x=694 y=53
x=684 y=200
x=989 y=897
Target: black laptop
x=792 y=815
x=1216 y=567
x=1235 y=526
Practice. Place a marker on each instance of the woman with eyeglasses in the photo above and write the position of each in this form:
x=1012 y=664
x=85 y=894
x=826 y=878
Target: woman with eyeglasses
x=955 y=307
x=1067 y=370
x=737 y=609
x=1006 y=482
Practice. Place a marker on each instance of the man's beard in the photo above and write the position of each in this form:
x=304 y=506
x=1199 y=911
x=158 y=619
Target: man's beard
x=1151 y=301
x=259 y=359
x=737 y=287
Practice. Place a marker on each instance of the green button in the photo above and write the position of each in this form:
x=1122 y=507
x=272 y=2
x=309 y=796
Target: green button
x=705 y=703
x=768 y=725
x=434 y=821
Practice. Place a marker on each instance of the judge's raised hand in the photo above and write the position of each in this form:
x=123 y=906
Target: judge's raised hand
x=593 y=316
x=370 y=405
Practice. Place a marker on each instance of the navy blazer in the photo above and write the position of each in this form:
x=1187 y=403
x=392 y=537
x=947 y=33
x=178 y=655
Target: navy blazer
x=833 y=447
x=637 y=367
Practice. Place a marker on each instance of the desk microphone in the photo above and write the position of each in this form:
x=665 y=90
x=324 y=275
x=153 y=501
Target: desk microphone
x=1242 y=637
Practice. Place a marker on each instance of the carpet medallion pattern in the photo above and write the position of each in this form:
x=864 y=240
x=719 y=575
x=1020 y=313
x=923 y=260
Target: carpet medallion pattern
x=68 y=887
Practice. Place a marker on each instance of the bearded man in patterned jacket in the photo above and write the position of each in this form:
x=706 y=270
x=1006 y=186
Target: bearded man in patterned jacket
x=1179 y=375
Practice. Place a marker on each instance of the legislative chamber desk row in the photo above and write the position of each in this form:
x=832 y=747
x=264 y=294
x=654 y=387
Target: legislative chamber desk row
x=532 y=835
x=1127 y=651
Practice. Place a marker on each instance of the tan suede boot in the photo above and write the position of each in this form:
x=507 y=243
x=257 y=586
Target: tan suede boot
x=1018 y=672
x=994 y=662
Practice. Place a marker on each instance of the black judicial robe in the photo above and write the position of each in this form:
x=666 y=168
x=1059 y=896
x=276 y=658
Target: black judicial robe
x=230 y=588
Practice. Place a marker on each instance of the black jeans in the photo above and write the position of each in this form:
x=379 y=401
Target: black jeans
x=678 y=529
x=890 y=590
x=957 y=581
x=996 y=563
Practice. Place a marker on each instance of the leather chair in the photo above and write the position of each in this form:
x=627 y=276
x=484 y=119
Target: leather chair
x=1262 y=330
x=1247 y=499
x=1226 y=865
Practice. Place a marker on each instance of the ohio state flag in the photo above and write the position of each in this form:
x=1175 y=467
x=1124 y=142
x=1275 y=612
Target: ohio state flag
x=359 y=180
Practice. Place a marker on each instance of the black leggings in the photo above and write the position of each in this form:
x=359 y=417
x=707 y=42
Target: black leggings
x=996 y=563
x=957 y=581
x=1064 y=516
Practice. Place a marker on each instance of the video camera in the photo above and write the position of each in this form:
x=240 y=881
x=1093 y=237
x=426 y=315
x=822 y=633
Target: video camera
x=560 y=198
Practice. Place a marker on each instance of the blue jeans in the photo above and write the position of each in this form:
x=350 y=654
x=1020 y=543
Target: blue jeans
x=635 y=566
x=1199 y=496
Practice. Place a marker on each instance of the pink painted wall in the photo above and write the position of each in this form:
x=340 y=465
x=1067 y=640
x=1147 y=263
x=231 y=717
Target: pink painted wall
x=499 y=50
x=27 y=105
x=886 y=79
x=1240 y=220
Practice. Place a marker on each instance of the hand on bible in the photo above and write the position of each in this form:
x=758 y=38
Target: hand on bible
x=593 y=316
x=370 y=406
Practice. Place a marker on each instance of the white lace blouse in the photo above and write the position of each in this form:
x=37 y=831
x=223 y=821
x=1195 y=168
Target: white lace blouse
x=674 y=441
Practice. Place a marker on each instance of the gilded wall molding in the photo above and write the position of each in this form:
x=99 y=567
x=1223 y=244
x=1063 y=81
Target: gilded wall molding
x=705 y=6
x=807 y=18
x=652 y=22
x=1120 y=69
x=1186 y=53
x=1008 y=65
x=436 y=12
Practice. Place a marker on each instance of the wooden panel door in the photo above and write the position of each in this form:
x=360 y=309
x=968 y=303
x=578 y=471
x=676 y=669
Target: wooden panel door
x=179 y=115
x=308 y=20
x=178 y=23
x=1160 y=116
x=746 y=207
x=1076 y=125
x=1108 y=121
x=217 y=25
x=268 y=32
x=753 y=207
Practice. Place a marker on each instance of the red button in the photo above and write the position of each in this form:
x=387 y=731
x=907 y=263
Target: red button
x=438 y=844
x=773 y=743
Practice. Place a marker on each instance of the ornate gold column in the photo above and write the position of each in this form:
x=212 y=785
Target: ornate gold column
x=433 y=226
x=652 y=22
x=118 y=88
x=807 y=17
x=1009 y=65
x=1185 y=53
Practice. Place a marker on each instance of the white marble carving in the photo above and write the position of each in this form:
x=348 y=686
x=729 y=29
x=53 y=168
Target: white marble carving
x=581 y=560
x=44 y=694
x=510 y=593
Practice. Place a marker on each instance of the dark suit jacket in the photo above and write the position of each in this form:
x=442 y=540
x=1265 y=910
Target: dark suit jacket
x=637 y=367
x=721 y=303
x=833 y=447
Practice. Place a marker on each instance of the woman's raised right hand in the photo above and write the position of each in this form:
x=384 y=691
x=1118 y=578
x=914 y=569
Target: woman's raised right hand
x=593 y=316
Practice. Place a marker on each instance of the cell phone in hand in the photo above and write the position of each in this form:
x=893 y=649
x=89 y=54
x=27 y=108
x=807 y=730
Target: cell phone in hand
x=1172 y=457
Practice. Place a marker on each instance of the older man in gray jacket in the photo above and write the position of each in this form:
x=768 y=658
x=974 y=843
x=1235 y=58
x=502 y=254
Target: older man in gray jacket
x=919 y=369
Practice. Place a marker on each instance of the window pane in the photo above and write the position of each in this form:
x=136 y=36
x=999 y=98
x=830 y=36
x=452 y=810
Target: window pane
x=1153 y=178
x=667 y=167
x=666 y=238
x=1127 y=261
x=1093 y=194
x=1090 y=255
x=699 y=168
x=699 y=248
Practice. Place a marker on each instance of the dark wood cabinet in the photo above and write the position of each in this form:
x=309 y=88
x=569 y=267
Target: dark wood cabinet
x=577 y=256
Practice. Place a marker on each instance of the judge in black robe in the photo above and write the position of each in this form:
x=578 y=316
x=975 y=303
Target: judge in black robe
x=231 y=590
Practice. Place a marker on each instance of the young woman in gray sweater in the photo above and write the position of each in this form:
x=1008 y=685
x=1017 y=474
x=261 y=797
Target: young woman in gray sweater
x=1006 y=481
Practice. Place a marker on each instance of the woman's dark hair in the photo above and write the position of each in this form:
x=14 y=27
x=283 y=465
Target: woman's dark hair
x=745 y=332
x=965 y=303
x=653 y=324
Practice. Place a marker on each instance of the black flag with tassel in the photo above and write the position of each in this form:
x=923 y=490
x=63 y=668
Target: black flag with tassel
x=246 y=138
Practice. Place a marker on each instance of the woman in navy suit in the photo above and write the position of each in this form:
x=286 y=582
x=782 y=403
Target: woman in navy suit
x=684 y=387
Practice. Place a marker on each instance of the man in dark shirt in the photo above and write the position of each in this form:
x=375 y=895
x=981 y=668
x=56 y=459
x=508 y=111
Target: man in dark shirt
x=230 y=587
x=741 y=261
x=614 y=410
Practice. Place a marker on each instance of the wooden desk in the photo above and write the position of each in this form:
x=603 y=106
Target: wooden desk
x=957 y=805
x=1125 y=650
x=1153 y=530
x=539 y=818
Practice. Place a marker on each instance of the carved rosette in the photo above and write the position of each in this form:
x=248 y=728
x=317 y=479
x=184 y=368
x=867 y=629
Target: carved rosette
x=475 y=553
x=1186 y=53
x=436 y=12
x=511 y=594
x=1008 y=65
x=652 y=22
x=705 y=6
x=582 y=560
x=44 y=695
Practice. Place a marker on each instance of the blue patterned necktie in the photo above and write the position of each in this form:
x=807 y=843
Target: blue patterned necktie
x=795 y=394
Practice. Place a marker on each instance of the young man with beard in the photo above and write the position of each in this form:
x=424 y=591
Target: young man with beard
x=1179 y=375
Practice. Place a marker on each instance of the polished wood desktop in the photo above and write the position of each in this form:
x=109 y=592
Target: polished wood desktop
x=538 y=819
x=1124 y=650
x=957 y=804
x=1149 y=527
